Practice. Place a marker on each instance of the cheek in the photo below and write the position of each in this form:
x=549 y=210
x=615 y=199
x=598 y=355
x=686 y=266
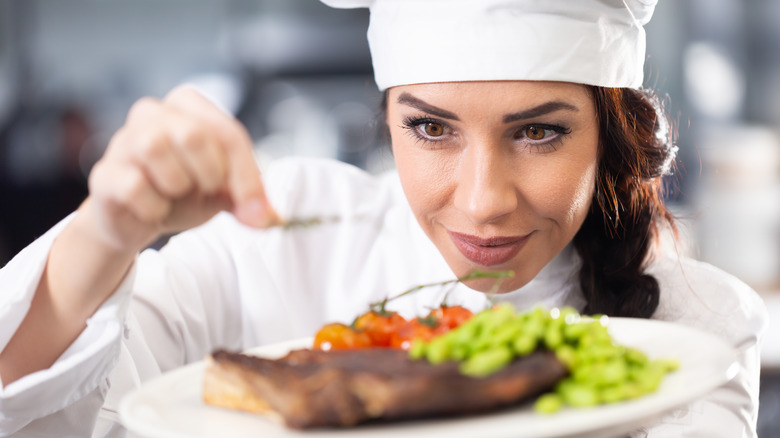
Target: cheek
x=425 y=177
x=566 y=199
x=582 y=195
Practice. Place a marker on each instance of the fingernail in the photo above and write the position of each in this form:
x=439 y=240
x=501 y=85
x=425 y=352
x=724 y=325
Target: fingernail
x=253 y=212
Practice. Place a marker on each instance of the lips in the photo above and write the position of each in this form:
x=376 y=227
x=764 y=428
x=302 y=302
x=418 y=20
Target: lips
x=488 y=251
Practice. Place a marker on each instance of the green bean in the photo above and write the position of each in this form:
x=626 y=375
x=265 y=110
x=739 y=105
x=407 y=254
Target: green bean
x=611 y=372
x=649 y=377
x=536 y=321
x=548 y=403
x=417 y=349
x=635 y=356
x=534 y=326
x=573 y=332
x=631 y=390
x=438 y=350
x=466 y=332
x=568 y=313
x=567 y=355
x=499 y=314
x=486 y=362
x=459 y=352
x=600 y=371
x=507 y=332
x=553 y=335
x=583 y=372
x=601 y=352
x=613 y=394
x=524 y=344
x=578 y=394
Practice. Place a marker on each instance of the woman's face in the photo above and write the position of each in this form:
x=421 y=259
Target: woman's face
x=500 y=175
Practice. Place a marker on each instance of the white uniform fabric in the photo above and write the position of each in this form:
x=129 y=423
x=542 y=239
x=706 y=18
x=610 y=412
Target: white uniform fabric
x=595 y=42
x=225 y=285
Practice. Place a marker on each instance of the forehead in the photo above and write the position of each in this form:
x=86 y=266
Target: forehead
x=510 y=94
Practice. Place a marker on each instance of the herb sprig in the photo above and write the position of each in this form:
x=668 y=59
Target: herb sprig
x=500 y=276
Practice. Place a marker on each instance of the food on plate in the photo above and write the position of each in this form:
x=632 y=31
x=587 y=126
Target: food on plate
x=382 y=328
x=599 y=370
x=447 y=362
x=338 y=336
x=313 y=388
x=386 y=328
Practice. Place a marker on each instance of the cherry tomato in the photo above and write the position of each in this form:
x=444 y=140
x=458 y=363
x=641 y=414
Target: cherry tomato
x=450 y=317
x=411 y=330
x=337 y=336
x=379 y=326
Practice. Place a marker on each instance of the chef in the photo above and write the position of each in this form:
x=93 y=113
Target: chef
x=523 y=140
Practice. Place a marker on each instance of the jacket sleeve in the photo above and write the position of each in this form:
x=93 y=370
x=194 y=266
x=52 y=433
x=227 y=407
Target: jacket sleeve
x=711 y=300
x=67 y=396
x=174 y=307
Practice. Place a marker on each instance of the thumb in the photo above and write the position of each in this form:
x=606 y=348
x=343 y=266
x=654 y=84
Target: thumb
x=244 y=184
x=250 y=202
x=255 y=211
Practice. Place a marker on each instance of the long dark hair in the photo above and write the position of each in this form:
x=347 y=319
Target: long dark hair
x=637 y=149
x=628 y=213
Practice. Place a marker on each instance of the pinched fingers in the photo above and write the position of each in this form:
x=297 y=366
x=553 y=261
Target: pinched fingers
x=163 y=171
x=128 y=188
x=178 y=150
x=173 y=165
x=243 y=181
x=128 y=210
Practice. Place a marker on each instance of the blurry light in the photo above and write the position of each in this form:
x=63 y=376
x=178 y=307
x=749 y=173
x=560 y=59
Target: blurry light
x=715 y=85
x=737 y=200
x=307 y=127
x=222 y=89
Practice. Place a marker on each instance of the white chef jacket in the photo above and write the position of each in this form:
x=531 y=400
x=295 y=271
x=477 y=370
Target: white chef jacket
x=226 y=285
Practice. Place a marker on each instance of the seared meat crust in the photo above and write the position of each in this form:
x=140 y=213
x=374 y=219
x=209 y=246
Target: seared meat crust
x=311 y=388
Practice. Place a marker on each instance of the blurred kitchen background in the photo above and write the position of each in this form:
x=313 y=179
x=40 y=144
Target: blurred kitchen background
x=298 y=74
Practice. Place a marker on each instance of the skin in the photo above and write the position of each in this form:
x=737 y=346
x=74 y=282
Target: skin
x=178 y=161
x=484 y=176
x=173 y=165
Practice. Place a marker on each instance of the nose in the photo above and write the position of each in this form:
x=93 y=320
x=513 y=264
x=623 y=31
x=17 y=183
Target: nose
x=485 y=190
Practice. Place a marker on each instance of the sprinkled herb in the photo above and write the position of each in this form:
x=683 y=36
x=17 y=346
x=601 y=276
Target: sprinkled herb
x=379 y=306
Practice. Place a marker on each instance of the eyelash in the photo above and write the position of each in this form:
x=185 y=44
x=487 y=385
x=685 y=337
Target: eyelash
x=414 y=124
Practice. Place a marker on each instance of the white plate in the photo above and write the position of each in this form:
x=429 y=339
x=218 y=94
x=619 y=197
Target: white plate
x=170 y=406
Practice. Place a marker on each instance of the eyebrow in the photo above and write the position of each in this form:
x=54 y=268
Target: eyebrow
x=408 y=99
x=540 y=110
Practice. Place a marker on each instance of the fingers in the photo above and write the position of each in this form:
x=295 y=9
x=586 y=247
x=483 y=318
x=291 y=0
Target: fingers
x=127 y=210
x=128 y=188
x=243 y=183
x=176 y=161
x=180 y=153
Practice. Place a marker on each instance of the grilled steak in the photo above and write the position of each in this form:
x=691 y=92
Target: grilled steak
x=311 y=388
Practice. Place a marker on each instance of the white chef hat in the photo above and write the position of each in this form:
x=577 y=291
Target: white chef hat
x=595 y=42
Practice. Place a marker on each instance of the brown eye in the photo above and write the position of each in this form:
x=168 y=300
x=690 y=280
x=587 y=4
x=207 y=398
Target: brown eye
x=433 y=129
x=534 y=132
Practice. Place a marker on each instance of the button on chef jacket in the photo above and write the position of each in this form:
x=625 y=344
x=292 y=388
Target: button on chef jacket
x=224 y=285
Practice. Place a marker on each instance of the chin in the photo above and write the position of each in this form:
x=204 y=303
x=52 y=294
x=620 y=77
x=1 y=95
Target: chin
x=488 y=285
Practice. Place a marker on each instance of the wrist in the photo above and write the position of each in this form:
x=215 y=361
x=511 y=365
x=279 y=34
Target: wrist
x=89 y=229
x=83 y=268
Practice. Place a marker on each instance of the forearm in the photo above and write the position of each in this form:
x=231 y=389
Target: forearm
x=173 y=166
x=80 y=273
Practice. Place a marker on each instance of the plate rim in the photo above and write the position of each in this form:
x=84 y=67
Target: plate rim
x=658 y=402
